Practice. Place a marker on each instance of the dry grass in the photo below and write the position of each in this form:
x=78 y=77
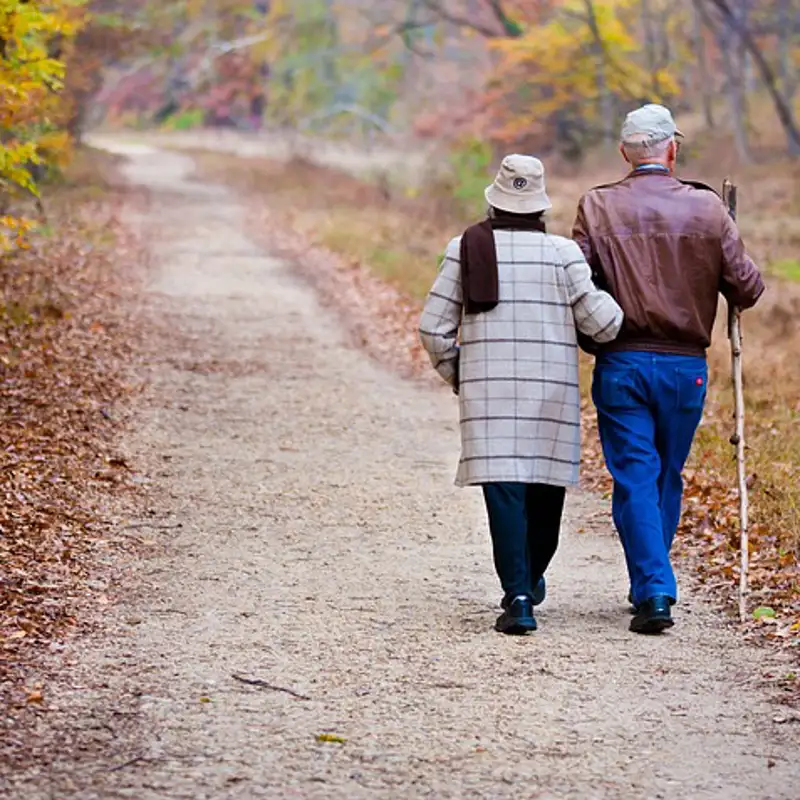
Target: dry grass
x=400 y=239
x=772 y=393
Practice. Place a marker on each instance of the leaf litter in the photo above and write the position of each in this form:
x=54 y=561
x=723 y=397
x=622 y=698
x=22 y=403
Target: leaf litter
x=67 y=338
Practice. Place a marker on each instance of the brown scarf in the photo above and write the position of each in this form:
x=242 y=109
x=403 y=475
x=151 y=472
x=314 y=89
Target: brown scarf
x=480 y=281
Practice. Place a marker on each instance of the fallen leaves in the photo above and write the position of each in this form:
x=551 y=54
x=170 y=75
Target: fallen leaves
x=35 y=696
x=709 y=540
x=66 y=338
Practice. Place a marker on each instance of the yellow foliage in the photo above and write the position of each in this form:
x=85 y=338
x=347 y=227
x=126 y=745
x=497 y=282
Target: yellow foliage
x=12 y=233
x=571 y=59
x=34 y=41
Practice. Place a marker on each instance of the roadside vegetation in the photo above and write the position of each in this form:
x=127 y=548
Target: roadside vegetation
x=64 y=330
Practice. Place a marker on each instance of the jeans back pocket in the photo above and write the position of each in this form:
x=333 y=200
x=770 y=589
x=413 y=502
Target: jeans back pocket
x=692 y=386
x=616 y=388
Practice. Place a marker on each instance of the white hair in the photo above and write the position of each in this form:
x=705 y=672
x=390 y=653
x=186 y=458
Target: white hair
x=640 y=153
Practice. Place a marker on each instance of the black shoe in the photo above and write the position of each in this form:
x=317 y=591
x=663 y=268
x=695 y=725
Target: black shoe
x=634 y=608
x=538 y=597
x=653 y=615
x=518 y=618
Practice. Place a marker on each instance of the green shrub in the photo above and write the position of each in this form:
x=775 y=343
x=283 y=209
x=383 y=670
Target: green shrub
x=185 y=120
x=470 y=168
x=786 y=268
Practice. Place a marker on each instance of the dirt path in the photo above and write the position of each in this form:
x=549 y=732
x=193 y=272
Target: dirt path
x=324 y=551
x=408 y=166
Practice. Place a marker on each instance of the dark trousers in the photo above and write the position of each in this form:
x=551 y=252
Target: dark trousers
x=649 y=406
x=524 y=520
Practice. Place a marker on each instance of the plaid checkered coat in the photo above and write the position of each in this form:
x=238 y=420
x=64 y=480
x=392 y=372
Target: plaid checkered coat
x=516 y=369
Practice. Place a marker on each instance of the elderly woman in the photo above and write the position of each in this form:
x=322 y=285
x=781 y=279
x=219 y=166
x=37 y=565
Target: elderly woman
x=517 y=295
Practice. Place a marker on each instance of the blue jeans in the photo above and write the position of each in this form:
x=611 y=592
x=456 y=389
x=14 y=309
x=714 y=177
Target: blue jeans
x=524 y=520
x=648 y=407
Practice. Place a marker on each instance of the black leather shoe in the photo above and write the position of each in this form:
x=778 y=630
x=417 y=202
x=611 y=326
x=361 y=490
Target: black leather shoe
x=538 y=597
x=635 y=609
x=653 y=615
x=518 y=618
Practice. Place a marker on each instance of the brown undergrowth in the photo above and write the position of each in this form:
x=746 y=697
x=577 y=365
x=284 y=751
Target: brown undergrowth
x=374 y=251
x=66 y=339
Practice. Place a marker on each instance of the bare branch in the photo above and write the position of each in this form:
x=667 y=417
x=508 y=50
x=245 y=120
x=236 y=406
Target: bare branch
x=271 y=686
x=240 y=44
x=446 y=15
x=347 y=108
x=510 y=27
x=782 y=107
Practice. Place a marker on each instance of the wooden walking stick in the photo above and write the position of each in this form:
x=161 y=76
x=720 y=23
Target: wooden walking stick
x=737 y=440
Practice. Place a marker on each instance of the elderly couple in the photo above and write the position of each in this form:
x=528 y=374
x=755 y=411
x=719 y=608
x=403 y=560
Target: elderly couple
x=638 y=287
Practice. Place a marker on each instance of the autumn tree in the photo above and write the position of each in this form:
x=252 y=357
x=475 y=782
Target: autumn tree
x=566 y=70
x=112 y=30
x=35 y=43
x=196 y=60
x=545 y=73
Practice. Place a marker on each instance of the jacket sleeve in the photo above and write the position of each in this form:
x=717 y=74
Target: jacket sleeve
x=597 y=314
x=741 y=282
x=441 y=317
x=580 y=233
x=582 y=236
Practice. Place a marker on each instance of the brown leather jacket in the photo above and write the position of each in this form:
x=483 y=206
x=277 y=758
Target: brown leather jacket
x=664 y=249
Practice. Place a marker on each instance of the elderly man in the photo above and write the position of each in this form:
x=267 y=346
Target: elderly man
x=665 y=249
x=517 y=295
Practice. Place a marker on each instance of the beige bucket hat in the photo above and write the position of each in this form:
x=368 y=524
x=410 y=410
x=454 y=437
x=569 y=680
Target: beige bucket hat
x=519 y=186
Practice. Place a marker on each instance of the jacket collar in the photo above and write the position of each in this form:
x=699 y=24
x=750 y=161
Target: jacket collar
x=650 y=169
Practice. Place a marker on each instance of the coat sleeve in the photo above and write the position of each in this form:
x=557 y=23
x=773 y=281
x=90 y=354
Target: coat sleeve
x=596 y=313
x=741 y=282
x=580 y=233
x=441 y=317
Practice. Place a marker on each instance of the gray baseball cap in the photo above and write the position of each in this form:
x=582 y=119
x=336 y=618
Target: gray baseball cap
x=649 y=124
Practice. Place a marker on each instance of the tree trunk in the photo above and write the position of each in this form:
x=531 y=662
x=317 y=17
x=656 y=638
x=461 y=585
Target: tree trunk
x=782 y=106
x=786 y=72
x=607 y=108
x=648 y=26
x=704 y=79
x=606 y=99
x=748 y=75
x=726 y=41
x=735 y=90
x=742 y=64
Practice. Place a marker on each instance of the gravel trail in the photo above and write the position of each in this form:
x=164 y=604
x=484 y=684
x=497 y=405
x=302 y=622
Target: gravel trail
x=324 y=552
